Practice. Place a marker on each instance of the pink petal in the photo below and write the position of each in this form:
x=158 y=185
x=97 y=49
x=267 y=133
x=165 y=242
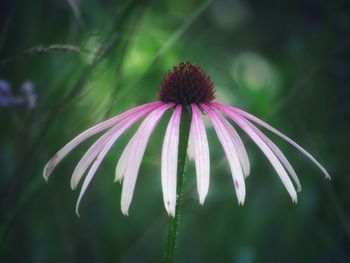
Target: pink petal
x=230 y=150
x=90 y=156
x=200 y=153
x=278 y=153
x=267 y=126
x=136 y=149
x=169 y=161
x=90 y=132
x=118 y=130
x=239 y=146
x=266 y=150
x=96 y=148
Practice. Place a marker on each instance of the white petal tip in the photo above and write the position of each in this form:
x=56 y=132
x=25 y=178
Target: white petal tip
x=202 y=198
x=171 y=214
x=73 y=185
x=46 y=179
x=50 y=166
x=241 y=199
x=170 y=208
x=119 y=180
x=46 y=174
x=77 y=212
x=240 y=192
x=299 y=189
x=190 y=155
x=328 y=177
x=125 y=210
x=295 y=200
x=118 y=177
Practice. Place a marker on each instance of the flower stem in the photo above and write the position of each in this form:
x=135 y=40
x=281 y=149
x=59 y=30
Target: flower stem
x=185 y=125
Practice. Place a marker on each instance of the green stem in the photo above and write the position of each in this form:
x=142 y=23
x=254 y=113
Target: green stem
x=185 y=125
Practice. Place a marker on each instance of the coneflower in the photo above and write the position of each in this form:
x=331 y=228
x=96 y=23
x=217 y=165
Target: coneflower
x=185 y=88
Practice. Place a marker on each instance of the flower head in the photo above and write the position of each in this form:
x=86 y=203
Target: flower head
x=186 y=84
x=186 y=87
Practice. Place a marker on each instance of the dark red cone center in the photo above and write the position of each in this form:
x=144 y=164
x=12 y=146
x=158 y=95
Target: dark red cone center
x=185 y=84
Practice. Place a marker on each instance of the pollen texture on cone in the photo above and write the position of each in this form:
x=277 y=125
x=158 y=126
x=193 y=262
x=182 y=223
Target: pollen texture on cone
x=185 y=84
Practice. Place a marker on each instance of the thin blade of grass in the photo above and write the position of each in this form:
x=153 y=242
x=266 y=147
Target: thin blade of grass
x=169 y=44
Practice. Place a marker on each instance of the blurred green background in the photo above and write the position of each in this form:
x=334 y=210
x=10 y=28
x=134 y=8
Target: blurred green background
x=285 y=62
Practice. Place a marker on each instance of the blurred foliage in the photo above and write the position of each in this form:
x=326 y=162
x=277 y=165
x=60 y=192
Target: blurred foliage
x=287 y=63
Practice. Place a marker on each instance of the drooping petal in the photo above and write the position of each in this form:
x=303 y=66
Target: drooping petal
x=169 y=161
x=267 y=151
x=90 y=132
x=90 y=156
x=239 y=146
x=136 y=149
x=118 y=130
x=230 y=151
x=200 y=150
x=270 y=144
x=278 y=154
x=267 y=126
x=96 y=148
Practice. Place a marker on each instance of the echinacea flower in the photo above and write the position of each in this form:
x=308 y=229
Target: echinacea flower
x=188 y=88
